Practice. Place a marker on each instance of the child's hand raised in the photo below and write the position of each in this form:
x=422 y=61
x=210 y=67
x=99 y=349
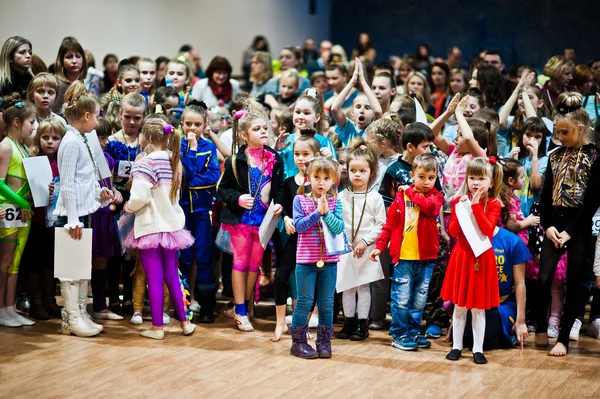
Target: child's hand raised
x=514 y=153
x=356 y=74
x=326 y=152
x=454 y=103
x=462 y=106
x=281 y=143
x=323 y=208
x=374 y=254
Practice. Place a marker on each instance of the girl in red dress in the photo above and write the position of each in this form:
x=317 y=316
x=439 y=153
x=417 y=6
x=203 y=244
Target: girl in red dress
x=471 y=283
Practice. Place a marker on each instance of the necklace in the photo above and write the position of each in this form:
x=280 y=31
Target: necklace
x=262 y=166
x=362 y=213
x=320 y=263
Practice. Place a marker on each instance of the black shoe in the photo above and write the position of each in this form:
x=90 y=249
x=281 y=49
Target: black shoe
x=376 y=325
x=116 y=308
x=206 y=318
x=454 y=354
x=348 y=329
x=128 y=309
x=362 y=331
x=479 y=358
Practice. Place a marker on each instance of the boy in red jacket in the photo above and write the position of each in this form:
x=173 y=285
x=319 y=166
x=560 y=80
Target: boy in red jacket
x=412 y=233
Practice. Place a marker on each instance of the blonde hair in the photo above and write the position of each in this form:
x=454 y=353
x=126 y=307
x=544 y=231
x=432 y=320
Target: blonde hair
x=569 y=107
x=135 y=100
x=265 y=59
x=481 y=167
x=40 y=80
x=47 y=126
x=183 y=60
x=9 y=48
x=153 y=132
x=326 y=166
x=388 y=130
x=557 y=66
x=291 y=73
x=255 y=111
x=362 y=149
x=427 y=162
x=426 y=101
x=315 y=97
x=78 y=101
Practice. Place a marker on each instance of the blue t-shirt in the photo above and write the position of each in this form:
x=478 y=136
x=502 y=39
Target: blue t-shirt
x=527 y=196
x=348 y=133
x=290 y=168
x=505 y=145
x=509 y=250
x=450 y=132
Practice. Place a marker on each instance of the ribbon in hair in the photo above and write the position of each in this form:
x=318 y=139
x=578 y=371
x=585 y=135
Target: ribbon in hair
x=565 y=109
x=197 y=103
x=240 y=114
x=312 y=92
x=492 y=160
x=168 y=129
x=159 y=109
x=181 y=58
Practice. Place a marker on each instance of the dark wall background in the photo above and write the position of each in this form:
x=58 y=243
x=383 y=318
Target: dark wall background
x=525 y=31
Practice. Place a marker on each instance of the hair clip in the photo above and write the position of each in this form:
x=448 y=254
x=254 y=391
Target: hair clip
x=168 y=129
x=181 y=58
x=159 y=109
x=312 y=92
x=539 y=86
x=492 y=160
x=362 y=147
x=221 y=103
x=19 y=104
x=488 y=125
x=240 y=114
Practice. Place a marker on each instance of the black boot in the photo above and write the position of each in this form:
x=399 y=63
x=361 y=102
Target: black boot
x=348 y=329
x=207 y=300
x=34 y=286
x=362 y=330
x=49 y=294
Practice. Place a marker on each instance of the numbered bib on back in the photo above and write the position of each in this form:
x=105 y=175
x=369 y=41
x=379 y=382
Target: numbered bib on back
x=13 y=218
x=124 y=169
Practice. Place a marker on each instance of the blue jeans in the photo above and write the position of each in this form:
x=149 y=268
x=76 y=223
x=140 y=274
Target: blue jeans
x=310 y=280
x=410 y=284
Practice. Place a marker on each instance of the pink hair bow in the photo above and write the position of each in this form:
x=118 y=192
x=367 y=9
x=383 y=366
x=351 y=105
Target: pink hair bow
x=240 y=114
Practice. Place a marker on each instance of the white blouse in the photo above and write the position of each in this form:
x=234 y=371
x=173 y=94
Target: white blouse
x=79 y=188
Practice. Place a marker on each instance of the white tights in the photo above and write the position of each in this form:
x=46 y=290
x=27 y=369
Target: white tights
x=459 y=321
x=352 y=305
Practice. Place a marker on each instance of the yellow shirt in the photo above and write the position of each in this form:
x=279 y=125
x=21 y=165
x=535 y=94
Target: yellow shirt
x=410 y=242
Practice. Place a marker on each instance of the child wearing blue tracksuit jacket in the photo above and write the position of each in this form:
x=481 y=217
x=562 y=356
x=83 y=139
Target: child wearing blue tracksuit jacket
x=201 y=172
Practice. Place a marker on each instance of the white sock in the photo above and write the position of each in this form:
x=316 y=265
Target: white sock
x=4 y=313
x=459 y=321
x=349 y=302
x=363 y=305
x=478 y=329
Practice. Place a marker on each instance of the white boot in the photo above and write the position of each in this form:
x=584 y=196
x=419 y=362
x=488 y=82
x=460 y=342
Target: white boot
x=72 y=320
x=83 y=292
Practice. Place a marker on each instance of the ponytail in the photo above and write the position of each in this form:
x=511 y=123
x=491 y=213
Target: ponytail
x=175 y=166
x=497 y=176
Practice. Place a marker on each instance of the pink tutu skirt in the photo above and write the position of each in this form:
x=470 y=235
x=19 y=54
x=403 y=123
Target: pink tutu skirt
x=176 y=240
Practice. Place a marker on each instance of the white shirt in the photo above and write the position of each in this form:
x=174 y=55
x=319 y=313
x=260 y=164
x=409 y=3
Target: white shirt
x=202 y=92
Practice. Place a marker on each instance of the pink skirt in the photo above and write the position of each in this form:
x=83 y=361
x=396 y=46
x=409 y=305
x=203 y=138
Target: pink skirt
x=176 y=240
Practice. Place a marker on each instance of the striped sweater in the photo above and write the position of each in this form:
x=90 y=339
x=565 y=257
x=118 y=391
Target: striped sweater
x=310 y=240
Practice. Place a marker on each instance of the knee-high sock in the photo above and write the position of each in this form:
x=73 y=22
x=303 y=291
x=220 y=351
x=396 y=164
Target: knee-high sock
x=478 y=329
x=349 y=302
x=363 y=305
x=459 y=321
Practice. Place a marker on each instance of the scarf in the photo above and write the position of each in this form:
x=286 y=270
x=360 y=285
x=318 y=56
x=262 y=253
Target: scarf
x=221 y=92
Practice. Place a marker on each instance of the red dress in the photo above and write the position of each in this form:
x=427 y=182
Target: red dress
x=463 y=285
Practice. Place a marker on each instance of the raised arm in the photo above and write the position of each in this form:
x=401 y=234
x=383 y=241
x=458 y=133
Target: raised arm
x=439 y=140
x=368 y=91
x=465 y=129
x=336 y=107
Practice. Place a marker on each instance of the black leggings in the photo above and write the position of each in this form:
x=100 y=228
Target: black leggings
x=285 y=267
x=577 y=249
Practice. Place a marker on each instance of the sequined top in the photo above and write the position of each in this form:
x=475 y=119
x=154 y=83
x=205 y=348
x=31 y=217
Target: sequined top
x=260 y=170
x=571 y=171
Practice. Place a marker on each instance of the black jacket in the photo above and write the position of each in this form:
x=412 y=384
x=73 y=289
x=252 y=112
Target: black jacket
x=231 y=189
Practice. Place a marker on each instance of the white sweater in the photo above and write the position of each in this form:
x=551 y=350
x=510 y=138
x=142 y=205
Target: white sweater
x=202 y=92
x=152 y=178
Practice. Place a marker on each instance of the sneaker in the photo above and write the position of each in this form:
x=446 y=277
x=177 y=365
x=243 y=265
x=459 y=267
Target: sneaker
x=422 y=342
x=136 y=318
x=531 y=328
x=405 y=343
x=552 y=331
x=313 y=322
x=288 y=319
x=243 y=323
x=433 y=331
x=195 y=307
x=574 y=334
x=594 y=329
x=166 y=319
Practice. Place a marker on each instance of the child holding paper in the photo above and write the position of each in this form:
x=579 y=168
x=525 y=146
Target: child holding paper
x=471 y=282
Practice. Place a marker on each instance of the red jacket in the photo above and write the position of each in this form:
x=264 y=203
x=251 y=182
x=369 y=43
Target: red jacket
x=427 y=230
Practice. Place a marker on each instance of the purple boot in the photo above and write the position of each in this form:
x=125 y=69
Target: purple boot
x=324 y=334
x=300 y=347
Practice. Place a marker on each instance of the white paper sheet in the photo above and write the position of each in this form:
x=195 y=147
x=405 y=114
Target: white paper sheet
x=72 y=258
x=267 y=227
x=420 y=113
x=39 y=175
x=353 y=272
x=477 y=240
x=98 y=154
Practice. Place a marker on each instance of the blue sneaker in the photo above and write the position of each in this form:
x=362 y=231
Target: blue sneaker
x=405 y=343
x=422 y=342
x=433 y=331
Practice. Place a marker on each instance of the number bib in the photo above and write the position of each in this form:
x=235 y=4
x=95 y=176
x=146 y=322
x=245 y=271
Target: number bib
x=13 y=218
x=124 y=169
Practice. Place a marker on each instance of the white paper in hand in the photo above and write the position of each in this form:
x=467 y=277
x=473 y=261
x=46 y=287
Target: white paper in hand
x=72 y=258
x=353 y=272
x=268 y=225
x=39 y=175
x=98 y=155
x=478 y=241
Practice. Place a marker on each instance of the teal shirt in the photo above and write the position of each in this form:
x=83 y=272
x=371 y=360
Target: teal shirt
x=288 y=153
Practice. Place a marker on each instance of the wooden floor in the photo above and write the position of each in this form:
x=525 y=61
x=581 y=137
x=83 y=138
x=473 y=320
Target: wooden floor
x=219 y=361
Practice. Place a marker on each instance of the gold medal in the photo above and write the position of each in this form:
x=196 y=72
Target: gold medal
x=320 y=263
x=477 y=266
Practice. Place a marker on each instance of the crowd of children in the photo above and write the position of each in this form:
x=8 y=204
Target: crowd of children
x=467 y=208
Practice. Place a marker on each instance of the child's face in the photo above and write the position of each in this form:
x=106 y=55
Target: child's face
x=73 y=62
x=161 y=72
x=178 y=75
x=535 y=100
x=49 y=143
x=130 y=82
x=131 y=118
x=359 y=173
x=193 y=122
x=257 y=134
x=343 y=162
x=438 y=76
x=382 y=89
x=288 y=87
x=424 y=179
x=112 y=65
x=335 y=80
x=103 y=142
x=457 y=83
x=363 y=113
x=320 y=183
x=321 y=84
x=274 y=123
x=416 y=85
x=461 y=145
x=147 y=75
x=304 y=114
x=168 y=105
x=474 y=83
x=404 y=71
x=530 y=136
x=472 y=107
x=423 y=148
x=302 y=155
x=90 y=119
x=477 y=182
x=44 y=98
x=568 y=133
x=27 y=127
x=518 y=184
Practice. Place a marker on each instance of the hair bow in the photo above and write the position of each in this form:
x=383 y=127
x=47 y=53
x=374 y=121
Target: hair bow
x=240 y=114
x=159 y=109
x=168 y=129
x=312 y=92
x=492 y=160
x=19 y=104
